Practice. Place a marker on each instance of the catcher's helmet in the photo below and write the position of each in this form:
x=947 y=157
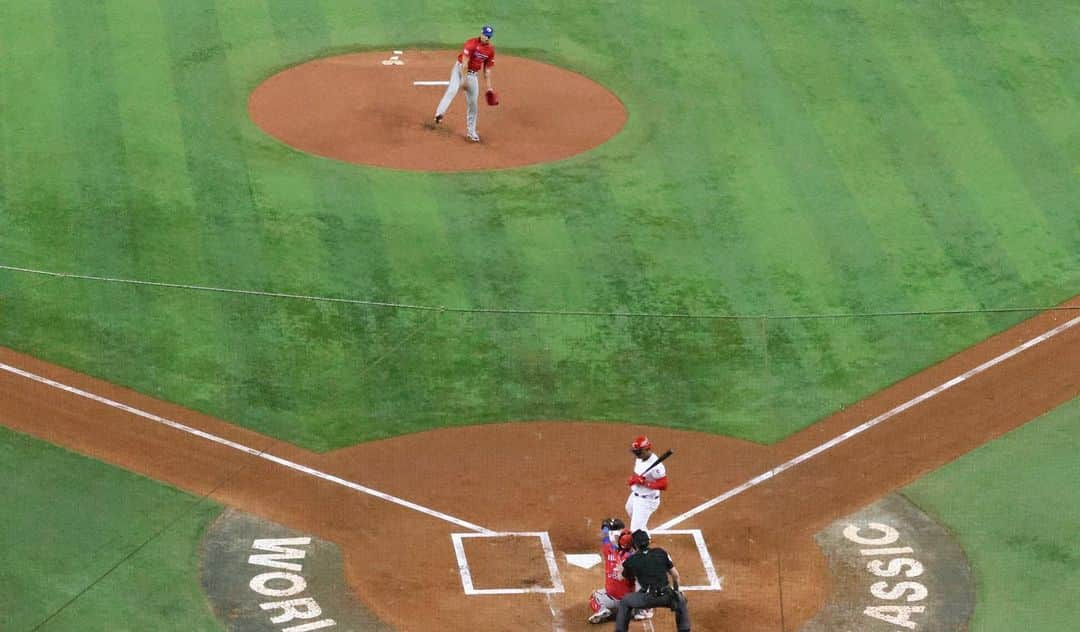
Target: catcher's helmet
x=641 y=539
x=641 y=443
x=625 y=540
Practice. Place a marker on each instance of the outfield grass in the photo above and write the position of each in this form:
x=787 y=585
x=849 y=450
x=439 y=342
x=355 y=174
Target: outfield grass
x=780 y=158
x=1013 y=505
x=89 y=547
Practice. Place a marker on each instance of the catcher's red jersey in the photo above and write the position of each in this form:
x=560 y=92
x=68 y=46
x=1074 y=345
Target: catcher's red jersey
x=478 y=54
x=614 y=583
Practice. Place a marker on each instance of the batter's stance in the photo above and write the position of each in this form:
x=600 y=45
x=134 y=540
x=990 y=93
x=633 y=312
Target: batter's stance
x=645 y=486
x=478 y=54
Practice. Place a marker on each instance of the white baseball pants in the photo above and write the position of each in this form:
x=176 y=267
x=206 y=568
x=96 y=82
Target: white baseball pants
x=639 y=508
x=472 y=97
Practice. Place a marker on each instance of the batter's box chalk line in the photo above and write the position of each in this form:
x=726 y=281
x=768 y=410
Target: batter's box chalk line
x=715 y=581
x=549 y=558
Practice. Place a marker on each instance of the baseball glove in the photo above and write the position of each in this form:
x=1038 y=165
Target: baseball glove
x=612 y=524
x=492 y=97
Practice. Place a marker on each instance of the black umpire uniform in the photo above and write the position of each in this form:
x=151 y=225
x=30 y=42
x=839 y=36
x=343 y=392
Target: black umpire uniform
x=650 y=568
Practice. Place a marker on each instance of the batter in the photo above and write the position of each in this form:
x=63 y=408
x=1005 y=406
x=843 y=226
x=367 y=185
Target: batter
x=645 y=486
x=477 y=55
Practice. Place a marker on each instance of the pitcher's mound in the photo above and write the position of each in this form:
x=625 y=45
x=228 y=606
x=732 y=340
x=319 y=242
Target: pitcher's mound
x=378 y=108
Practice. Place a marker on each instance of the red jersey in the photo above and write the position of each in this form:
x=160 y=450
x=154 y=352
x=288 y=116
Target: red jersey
x=478 y=54
x=614 y=583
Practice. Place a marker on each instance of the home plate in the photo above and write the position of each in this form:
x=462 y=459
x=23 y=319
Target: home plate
x=584 y=560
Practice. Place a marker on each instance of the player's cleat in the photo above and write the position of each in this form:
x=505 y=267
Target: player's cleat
x=474 y=138
x=643 y=615
x=438 y=118
x=601 y=616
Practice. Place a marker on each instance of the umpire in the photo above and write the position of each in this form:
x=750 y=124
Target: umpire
x=651 y=568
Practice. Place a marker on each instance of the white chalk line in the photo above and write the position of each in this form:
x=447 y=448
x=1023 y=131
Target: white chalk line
x=431 y=83
x=549 y=559
x=481 y=530
x=556 y=615
x=806 y=456
x=716 y=582
x=246 y=449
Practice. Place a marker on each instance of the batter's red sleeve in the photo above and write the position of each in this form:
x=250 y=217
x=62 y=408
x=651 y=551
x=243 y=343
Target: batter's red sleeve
x=658 y=484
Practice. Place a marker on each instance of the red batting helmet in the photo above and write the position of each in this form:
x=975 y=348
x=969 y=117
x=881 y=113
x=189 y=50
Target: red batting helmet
x=641 y=443
x=625 y=540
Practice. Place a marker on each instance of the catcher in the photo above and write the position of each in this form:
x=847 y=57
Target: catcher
x=616 y=547
x=651 y=569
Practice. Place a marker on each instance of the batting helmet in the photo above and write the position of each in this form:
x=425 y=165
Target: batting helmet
x=641 y=443
x=626 y=540
x=487 y=31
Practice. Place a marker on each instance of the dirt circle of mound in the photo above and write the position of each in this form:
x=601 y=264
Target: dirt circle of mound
x=376 y=108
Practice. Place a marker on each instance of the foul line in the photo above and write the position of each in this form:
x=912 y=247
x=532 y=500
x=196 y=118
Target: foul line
x=246 y=450
x=431 y=83
x=806 y=456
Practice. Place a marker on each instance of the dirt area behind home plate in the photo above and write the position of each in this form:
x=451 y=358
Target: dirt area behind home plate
x=358 y=109
x=393 y=505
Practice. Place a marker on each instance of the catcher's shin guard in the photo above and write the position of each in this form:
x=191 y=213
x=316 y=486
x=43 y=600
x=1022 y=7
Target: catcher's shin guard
x=594 y=603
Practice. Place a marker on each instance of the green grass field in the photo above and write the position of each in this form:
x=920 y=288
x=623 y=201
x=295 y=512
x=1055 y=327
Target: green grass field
x=92 y=547
x=1014 y=508
x=781 y=159
x=778 y=160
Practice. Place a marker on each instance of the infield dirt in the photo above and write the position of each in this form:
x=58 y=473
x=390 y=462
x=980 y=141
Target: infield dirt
x=562 y=478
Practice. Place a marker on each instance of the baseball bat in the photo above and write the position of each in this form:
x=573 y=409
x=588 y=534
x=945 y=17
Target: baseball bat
x=658 y=461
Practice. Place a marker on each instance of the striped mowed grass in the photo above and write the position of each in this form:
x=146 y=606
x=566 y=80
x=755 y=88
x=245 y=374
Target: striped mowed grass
x=782 y=162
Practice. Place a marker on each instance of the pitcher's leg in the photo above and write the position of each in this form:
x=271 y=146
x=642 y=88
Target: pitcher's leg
x=472 y=99
x=451 y=91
